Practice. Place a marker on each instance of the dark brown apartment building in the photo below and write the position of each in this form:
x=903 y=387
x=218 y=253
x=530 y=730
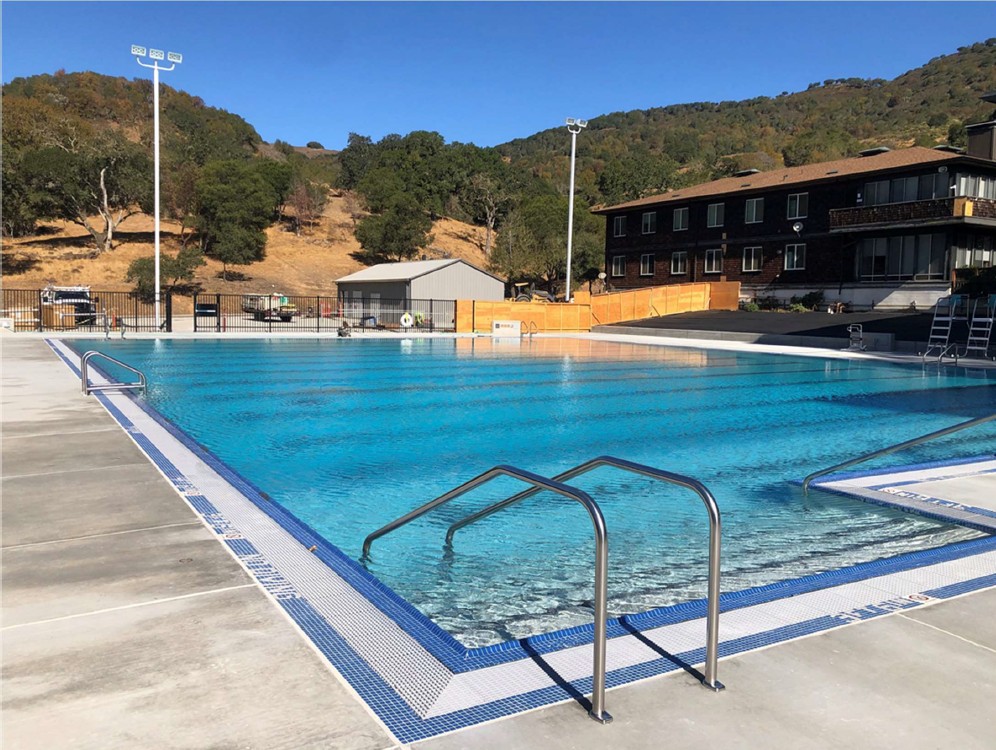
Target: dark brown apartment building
x=885 y=229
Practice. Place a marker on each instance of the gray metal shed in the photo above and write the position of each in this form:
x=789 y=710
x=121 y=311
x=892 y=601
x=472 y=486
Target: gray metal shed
x=421 y=280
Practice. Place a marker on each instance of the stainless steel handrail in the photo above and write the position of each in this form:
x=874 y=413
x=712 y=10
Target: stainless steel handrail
x=597 y=711
x=84 y=375
x=715 y=534
x=893 y=448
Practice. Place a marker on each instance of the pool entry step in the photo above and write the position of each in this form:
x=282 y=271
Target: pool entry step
x=557 y=485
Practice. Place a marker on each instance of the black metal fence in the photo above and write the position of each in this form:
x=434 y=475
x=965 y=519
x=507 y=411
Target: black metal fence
x=288 y=312
x=81 y=309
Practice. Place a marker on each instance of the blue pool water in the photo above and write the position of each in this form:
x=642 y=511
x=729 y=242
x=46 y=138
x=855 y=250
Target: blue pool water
x=349 y=434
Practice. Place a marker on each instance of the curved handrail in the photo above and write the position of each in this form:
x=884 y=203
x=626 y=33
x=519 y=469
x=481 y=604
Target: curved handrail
x=715 y=534
x=539 y=483
x=84 y=375
x=893 y=448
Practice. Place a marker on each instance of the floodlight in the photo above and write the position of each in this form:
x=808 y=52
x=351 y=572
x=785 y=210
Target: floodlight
x=582 y=123
x=156 y=54
x=174 y=57
x=570 y=120
x=139 y=51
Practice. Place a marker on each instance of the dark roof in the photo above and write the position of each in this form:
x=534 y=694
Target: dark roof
x=776 y=178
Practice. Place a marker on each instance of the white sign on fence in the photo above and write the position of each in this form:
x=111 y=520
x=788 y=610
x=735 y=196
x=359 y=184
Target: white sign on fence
x=506 y=328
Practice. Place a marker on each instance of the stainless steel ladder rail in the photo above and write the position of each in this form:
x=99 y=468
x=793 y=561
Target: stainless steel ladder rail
x=715 y=534
x=85 y=377
x=539 y=483
x=893 y=448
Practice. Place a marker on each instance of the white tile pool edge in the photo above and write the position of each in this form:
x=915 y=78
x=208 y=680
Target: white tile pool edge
x=413 y=692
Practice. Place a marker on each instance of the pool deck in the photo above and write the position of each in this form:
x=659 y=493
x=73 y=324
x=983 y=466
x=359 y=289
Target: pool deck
x=125 y=624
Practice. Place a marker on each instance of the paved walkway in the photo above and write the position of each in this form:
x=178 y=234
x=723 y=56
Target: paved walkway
x=126 y=625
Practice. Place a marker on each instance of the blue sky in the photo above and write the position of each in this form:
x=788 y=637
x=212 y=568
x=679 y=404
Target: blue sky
x=484 y=73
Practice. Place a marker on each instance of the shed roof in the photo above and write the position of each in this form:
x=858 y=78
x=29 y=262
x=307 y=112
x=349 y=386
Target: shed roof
x=776 y=178
x=408 y=270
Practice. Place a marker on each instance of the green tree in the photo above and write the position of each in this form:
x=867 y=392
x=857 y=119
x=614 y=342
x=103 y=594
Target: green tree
x=110 y=179
x=234 y=205
x=532 y=244
x=355 y=160
x=20 y=204
x=278 y=176
x=173 y=269
x=398 y=233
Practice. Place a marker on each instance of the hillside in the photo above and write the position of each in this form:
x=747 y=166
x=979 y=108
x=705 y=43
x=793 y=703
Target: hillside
x=306 y=264
x=622 y=155
x=687 y=143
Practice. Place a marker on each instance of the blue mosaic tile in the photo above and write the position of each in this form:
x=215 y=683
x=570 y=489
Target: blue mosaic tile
x=397 y=715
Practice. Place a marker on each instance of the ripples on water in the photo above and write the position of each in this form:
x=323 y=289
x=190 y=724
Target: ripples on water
x=351 y=434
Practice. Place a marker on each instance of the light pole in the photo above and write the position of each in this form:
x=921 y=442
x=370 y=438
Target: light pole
x=156 y=55
x=574 y=127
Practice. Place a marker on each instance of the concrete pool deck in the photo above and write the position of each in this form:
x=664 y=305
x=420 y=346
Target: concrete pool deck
x=141 y=631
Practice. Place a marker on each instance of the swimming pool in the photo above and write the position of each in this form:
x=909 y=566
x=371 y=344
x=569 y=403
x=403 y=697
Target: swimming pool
x=350 y=434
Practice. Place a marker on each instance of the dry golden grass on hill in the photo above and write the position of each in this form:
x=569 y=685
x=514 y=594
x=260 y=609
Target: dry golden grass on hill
x=305 y=264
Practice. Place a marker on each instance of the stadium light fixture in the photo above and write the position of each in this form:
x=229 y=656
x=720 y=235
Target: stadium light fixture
x=574 y=126
x=156 y=55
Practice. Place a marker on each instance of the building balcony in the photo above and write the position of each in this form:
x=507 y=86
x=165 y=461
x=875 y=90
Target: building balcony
x=913 y=213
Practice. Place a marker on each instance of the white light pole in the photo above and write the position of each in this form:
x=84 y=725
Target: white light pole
x=156 y=55
x=574 y=127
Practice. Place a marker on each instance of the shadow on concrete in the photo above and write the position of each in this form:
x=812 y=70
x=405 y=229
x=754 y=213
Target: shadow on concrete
x=554 y=675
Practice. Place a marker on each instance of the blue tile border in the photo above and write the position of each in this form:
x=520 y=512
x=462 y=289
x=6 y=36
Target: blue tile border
x=397 y=715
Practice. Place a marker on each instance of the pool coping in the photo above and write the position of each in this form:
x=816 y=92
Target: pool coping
x=396 y=713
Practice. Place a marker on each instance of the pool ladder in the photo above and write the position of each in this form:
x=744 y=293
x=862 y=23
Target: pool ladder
x=85 y=377
x=556 y=484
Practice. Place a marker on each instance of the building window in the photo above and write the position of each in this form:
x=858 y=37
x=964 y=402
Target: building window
x=714 y=261
x=904 y=189
x=935 y=185
x=714 y=217
x=618 y=265
x=795 y=257
x=920 y=257
x=754 y=211
x=650 y=222
x=973 y=250
x=647 y=264
x=798 y=206
x=752 y=259
x=619 y=226
x=679 y=263
x=680 y=219
x=876 y=193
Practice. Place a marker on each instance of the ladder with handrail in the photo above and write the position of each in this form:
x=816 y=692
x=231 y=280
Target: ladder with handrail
x=897 y=447
x=946 y=312
x=556 y=484
x=981 y=328
x=141 y=384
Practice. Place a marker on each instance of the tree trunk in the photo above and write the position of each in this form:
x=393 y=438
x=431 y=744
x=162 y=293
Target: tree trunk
x=107 y=241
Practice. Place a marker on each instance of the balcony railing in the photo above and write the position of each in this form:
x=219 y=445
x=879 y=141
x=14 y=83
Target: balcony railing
x=913 y=211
